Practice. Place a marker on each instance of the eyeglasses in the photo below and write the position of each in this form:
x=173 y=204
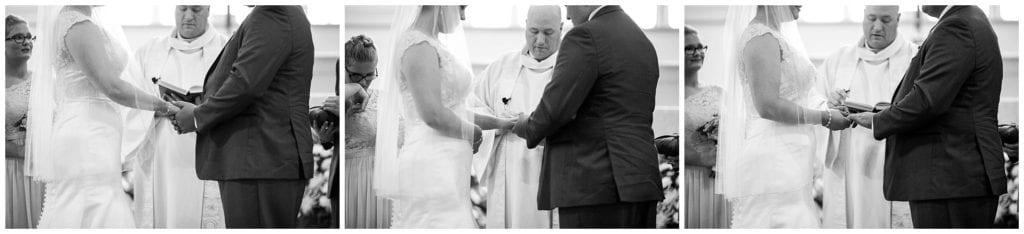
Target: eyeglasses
x=357 y=77
x=21 y=39
x=692 y=50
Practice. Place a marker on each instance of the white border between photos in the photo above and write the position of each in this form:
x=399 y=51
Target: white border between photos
x=672 y=3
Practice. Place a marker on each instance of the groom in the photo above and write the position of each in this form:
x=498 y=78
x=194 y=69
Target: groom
x=943 y=153
x=600 y=167
x=253 y=130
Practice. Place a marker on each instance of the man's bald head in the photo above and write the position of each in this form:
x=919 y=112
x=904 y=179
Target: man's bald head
x=879 y=25
x=543 y=30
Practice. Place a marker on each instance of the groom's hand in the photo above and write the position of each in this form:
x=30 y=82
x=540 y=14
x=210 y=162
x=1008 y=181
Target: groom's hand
x=185 y=118
x=518 y=128
x=862 y=119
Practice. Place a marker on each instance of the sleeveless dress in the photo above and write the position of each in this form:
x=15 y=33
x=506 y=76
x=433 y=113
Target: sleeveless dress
x=363 y=209
x=24 y=196
x=434 y=168
x=777 y=160
x=704 y=208
x=87 y=136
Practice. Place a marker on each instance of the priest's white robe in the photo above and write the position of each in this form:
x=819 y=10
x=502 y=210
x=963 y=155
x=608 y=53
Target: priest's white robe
x=852 y=194
x=513 y=84
x=168 y=193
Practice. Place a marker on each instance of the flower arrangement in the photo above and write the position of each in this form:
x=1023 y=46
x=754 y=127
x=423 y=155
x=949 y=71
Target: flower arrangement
x=709 y=130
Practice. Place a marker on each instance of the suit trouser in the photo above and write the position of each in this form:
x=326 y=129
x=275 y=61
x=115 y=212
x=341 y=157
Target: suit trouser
x=615 y=215
x=970 y=212
x=262 y=203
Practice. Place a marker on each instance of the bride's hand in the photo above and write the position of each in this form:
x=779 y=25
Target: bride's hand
x=838 y=121
x=167 y=110
x=477 y=138
x=507 y=124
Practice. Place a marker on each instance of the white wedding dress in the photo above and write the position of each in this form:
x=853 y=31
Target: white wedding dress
x=434 y=170
x=87 y=129
x=777 y=160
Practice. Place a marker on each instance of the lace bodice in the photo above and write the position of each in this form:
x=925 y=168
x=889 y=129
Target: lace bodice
x=71 y=82
x=16 y=106
x=797 y=70
x=700 y=108
x=456 y=79
x=361 y=128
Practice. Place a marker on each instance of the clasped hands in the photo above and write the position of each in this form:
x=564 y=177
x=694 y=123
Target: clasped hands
x=173 y=110
x=840 y=116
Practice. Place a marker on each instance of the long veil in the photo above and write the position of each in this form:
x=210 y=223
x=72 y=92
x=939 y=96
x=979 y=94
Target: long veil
x=41 y=99
x=736 y=102
x=391 y=109
x=43 y=163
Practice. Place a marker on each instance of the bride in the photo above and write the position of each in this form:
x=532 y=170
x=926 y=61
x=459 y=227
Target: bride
x=75 y=125
x=769 y=114
x=426 y=134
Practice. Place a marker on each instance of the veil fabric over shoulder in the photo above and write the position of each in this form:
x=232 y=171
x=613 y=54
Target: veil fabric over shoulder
x=392 y=108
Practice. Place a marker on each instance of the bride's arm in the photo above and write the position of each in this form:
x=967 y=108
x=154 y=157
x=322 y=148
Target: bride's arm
x=489 y=122
x=764 y=59
x=423 y=72
x=87 y=45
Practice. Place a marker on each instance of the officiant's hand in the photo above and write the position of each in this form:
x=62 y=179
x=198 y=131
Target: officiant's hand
x=863 y=119
x=837 y=100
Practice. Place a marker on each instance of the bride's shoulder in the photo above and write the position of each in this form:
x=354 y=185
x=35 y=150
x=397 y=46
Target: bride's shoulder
x=756 y=31
x=412 y=38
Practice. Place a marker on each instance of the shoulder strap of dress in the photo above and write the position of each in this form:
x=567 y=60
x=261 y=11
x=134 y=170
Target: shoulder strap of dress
x=67 y=19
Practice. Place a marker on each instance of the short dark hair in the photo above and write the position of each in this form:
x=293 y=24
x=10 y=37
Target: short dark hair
x=360 y=49
x=11 y=21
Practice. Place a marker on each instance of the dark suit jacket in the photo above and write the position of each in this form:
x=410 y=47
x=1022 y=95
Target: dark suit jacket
x=596 y=115
x=253 y=122
x=940 y=132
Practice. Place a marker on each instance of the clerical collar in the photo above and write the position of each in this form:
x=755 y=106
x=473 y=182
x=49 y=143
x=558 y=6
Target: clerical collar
x=892 y=49
x=529 y=62
x=179 y=43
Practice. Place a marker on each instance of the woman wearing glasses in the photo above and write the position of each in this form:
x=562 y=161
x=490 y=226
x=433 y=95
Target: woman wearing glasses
x=363 y=209
x=704 y=208
x=24 y=197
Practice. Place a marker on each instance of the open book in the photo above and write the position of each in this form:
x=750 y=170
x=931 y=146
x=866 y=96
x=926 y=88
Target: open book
x=189 y=95
x=860 y=107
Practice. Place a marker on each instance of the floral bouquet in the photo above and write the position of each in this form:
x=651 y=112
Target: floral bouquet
x=709 y=130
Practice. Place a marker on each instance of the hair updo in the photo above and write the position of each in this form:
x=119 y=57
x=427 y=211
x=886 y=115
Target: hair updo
x=360 y=49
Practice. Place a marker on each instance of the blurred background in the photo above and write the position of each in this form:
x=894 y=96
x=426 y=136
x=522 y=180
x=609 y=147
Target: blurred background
x=827 y=27
x=144 y=22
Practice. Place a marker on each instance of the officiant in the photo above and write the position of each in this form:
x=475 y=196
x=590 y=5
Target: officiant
x=181 y=58
x=866 y=72
x=511 y=85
